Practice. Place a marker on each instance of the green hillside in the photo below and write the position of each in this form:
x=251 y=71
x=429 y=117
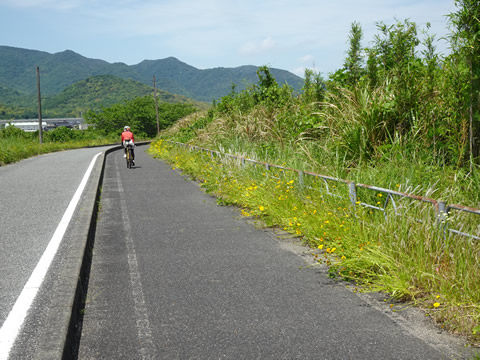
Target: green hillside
x=58 y=71
x=209 y=84
x=93 y=93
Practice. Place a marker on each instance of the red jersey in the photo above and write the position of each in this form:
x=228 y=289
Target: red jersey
x=127 y=135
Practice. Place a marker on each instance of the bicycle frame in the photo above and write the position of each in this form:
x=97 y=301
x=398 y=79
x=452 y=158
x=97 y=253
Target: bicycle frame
x=129 y=156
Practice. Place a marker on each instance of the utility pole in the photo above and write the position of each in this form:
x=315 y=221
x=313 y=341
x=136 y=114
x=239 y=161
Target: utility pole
x=156 y=105
x=40 y=129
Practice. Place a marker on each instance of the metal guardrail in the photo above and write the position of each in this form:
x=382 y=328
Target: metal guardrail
x=441 y=208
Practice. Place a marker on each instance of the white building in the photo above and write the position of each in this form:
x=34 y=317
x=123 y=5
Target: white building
x=31 y=125
x=27 y=126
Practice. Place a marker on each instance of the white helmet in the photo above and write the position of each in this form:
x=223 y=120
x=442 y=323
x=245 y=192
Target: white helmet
x=126 y=128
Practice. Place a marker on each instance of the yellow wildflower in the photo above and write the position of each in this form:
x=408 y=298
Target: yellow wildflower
x=261 y=208
x=244 y=213
x=436 y=304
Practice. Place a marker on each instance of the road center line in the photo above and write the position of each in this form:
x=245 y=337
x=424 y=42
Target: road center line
x=11 y=327
x=147 y=347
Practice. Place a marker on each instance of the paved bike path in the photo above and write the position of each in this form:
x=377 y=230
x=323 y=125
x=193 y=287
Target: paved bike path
x=175 y=276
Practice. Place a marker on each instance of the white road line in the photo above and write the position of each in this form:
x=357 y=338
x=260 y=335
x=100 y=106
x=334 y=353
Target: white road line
x=16 y=317
x=147 y=347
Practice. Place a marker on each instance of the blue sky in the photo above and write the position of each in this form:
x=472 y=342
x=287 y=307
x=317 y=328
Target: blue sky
x=285 y=34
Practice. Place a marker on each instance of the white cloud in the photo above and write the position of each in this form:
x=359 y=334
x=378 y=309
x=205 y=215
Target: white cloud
x=299 y=71
x=307 y=59
x=267 y=44
x=257 y=47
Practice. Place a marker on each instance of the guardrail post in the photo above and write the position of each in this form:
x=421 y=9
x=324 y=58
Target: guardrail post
x=243 y=162
x=442 y=217
x=300 y=178
x=352 y=190
x=441 y=211
x=267 y=166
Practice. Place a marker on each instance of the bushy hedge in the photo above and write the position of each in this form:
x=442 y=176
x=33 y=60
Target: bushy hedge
x=140 y=115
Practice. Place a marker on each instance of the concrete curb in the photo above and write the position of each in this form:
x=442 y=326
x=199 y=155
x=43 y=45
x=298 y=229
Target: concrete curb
x=61 y=335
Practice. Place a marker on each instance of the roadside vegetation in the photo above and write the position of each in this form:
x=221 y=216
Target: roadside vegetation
x=140 y=115
x=397 y=115
x=16 y=144
x=107 y=125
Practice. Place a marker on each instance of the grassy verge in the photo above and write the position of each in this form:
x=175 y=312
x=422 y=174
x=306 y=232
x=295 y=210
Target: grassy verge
x=409 y=260
x=15 y=149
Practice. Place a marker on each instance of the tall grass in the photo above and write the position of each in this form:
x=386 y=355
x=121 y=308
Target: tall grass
x=398 y=164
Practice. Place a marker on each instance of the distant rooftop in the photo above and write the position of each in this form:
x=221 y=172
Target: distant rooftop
x=51 y=120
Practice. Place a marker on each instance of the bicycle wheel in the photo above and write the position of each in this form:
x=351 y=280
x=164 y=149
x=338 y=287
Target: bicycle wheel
x=129 y=165
x=130 y=158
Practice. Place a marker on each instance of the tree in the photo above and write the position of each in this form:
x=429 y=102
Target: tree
x=140 y=115
x=466 y=43
x=267 y=90
x=353 y=62
x=400 y=68
x=313 y=87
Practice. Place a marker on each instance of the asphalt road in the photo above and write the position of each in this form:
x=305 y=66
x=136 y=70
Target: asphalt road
x=34 y=195
x=175 y=276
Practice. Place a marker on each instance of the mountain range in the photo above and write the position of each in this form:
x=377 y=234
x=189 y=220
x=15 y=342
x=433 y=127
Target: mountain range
x=60 y=71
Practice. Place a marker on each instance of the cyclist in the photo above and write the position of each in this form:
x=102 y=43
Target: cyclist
x=127 y=136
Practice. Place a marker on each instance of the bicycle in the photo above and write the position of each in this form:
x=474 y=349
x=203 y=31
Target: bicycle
x=129 y=157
